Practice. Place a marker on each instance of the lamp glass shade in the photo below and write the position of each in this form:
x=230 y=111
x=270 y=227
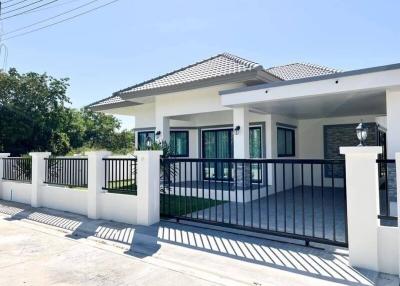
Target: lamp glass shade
x=362 y=133
x=148 y=142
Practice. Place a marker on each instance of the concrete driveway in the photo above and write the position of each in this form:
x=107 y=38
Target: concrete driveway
x=47 y=247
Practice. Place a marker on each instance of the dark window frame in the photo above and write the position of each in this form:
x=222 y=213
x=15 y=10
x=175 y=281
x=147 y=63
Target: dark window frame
x=230 y=151
x=293 y=151
x=186 y=132
x=147 y=135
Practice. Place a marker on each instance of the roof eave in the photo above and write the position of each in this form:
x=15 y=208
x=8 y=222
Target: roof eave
x=109 y=106
x=311 y=79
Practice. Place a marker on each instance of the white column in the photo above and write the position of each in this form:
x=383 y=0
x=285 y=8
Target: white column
x=38 y=175
x=96 y=174
x=241 y=140
x=393 y=120
x=162 y=125
x=362 y=205
x=269 y=131
x=2 y=155
x=397 y=157
x=148 y=187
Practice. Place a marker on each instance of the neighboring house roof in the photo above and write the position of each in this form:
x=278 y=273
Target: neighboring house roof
x=300 y=70
x=218 y=69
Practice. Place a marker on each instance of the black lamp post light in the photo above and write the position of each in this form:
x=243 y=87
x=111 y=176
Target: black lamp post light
x=362 y=133
x=149 y=142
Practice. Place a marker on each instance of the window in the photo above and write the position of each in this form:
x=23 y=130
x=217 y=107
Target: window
x=179 y=143
x=142 y=138
x=255 y=142
x=286 y=142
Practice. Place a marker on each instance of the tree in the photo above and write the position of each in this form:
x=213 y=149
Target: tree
x=32 y=110
x=34 y=117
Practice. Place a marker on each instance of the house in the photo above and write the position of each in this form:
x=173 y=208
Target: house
x=229 y=107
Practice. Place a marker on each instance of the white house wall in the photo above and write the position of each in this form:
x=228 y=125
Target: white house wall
x=144 y=115
x=192 y=102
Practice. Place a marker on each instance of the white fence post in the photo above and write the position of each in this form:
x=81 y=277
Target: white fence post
x=148 y=187
x=38 y=175
x=96 y=173
x=2 y=155
x=362 y=205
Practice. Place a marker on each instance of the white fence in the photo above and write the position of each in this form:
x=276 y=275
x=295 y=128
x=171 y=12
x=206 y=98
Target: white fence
x=371 y=245
x=92 y=201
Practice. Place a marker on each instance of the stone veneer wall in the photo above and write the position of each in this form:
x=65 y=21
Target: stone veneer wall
x=336 y=136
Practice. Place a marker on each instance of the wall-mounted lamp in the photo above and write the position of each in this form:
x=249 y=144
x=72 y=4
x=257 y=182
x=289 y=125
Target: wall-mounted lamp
x=237 y=129
x=158 y=133
x=362 y=133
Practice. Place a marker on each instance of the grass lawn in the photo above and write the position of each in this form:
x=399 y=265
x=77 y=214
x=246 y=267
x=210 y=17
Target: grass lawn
x=180 y=205
x=169 y=204
x=122 y=187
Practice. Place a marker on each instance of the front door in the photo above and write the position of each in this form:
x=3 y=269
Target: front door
x=217 y=144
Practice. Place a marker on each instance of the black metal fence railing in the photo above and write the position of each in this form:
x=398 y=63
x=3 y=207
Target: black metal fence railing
x=387 y=192
x=17 y=169
x=120 y=175
x=70 y=172
x=285 y=197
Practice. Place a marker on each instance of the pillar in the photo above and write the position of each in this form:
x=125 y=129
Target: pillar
x=162 y=125
x=2 y=155
x=96 y=175
x=38 y=175
x=362 y=205
x=148 y=187
x=393 y=120
x=241 y=140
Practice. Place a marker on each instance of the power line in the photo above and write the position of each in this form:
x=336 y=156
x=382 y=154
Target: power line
x=15 y=4
x=61 y=21
x=50 y=18
x=22 y=7
x=53 y=6
x=4 y=2
x=34 y=8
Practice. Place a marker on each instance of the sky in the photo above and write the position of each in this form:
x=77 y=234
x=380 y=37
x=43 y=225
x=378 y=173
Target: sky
x=130 y=41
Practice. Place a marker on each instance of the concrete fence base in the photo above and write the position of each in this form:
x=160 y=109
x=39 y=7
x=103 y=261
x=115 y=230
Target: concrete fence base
x=94 y=202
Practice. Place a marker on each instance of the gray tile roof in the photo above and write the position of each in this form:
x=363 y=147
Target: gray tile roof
x=214 y=67
x=300 y=70
x=109 y=100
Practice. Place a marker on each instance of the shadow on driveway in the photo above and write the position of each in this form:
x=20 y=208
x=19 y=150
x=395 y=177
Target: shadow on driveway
x=146 y=241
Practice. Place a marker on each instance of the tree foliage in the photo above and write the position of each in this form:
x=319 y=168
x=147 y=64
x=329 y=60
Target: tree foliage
x=34 y=116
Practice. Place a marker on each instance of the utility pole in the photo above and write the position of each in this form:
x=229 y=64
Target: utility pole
x=3 y=47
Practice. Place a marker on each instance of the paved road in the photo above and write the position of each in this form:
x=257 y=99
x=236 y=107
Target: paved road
x=46 y=247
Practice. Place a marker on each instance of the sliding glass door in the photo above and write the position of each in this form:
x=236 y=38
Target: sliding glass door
x=217 y=144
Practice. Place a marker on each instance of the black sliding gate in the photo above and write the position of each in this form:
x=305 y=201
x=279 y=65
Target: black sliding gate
x=299 y=199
